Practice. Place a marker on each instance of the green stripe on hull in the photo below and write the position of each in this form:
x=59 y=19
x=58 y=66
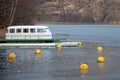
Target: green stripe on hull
x=30 y=41
x=26 y=41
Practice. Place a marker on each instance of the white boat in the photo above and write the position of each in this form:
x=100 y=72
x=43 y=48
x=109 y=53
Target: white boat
x=28 y=33
x=31 y=34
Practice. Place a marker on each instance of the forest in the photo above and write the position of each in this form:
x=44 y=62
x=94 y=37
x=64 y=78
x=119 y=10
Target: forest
x=28 y=12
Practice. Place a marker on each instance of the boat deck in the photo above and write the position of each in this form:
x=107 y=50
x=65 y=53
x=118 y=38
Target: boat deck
x=59 y=38
x=63 y=44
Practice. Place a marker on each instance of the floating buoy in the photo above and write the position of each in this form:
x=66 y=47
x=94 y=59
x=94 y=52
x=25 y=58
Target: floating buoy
x=100 y=59
x=83 y=66
x=99 y=48
x=79 y=43
x=58 y=46
x=37 y=51
x=11 y=55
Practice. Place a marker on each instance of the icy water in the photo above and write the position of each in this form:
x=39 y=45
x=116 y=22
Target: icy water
x=63 y=64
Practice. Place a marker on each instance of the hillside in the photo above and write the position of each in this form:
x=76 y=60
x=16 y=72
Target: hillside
x=94 y=11
x=27 y=12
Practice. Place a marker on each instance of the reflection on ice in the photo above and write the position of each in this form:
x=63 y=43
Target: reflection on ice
x=3 y=59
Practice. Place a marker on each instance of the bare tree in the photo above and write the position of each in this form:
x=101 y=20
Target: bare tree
x=12 y=12
x=25 y=12
x=5 y=10
x=76 y=11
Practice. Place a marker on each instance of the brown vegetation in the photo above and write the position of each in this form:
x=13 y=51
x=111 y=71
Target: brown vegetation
x=94 y=11
x=17 y=12
x=26 y=12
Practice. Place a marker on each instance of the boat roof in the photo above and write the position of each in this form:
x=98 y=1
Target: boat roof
x=27 y=26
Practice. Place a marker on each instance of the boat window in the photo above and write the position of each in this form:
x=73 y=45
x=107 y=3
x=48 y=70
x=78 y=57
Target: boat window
x=32 y=30
x=25 y=30
x=41 y=30
x=12 y=30
x=18 y=30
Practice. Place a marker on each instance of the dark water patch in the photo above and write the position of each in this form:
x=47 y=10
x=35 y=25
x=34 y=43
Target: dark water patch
x=3 y=59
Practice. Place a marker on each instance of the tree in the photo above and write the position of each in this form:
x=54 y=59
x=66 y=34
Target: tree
x=16 y=12
x=25 y=12
x=5 y=12
x=76 y=11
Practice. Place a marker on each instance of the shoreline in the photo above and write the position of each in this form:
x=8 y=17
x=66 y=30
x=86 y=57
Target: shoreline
x=2 y=31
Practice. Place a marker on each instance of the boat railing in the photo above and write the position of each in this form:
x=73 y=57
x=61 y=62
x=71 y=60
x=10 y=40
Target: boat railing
x=29 y=36
x=55 y=37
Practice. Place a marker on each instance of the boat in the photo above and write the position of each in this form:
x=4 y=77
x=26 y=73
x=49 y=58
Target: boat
x=28 y=34
x=31 y=36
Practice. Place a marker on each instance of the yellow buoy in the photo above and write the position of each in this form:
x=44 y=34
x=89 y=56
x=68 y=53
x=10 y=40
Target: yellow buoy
x=11 y=55
x=58 y=46
x=37 y=51
x=83 y=66
x=100 y=59
x=99 y=48
x=79 y=43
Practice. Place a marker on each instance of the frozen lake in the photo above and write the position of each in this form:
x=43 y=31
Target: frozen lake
x=64 y=64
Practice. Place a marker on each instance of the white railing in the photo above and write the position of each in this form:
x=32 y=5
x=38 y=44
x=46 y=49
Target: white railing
x=28 y=37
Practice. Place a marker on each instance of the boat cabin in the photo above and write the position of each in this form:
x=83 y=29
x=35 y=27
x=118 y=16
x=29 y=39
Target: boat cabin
x=28 y=32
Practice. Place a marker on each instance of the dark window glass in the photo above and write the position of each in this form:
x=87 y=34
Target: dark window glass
x=12 y=30
x=18 y=30
x=25 y=30
x=32 y=30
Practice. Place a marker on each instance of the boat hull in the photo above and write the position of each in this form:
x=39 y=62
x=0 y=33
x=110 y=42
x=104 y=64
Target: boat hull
x=28 y=40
